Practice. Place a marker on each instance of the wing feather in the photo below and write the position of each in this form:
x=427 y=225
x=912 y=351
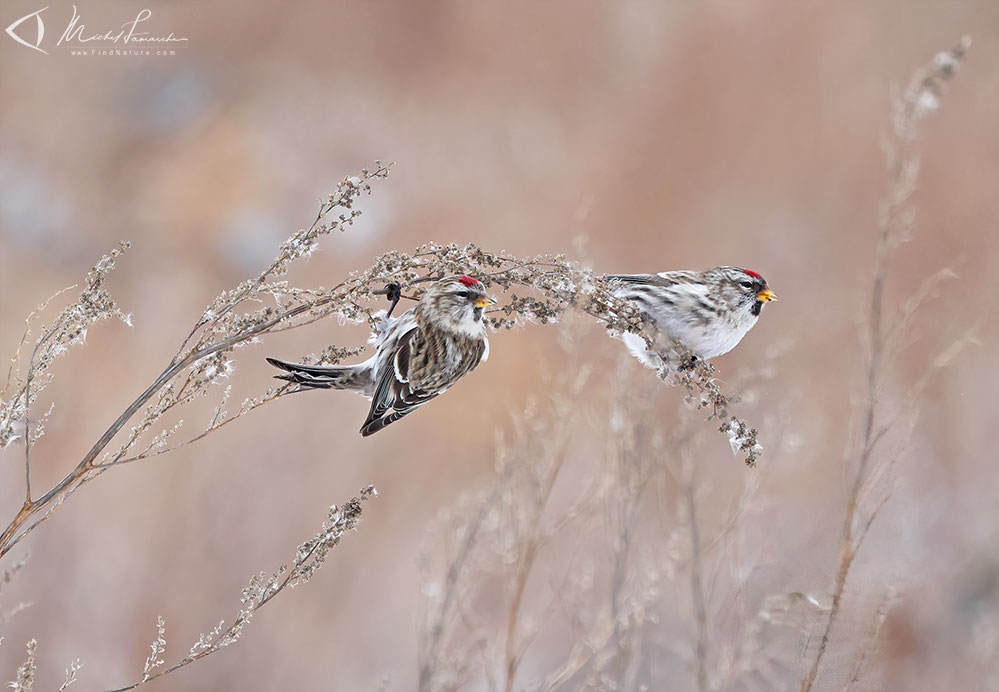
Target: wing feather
x=393 y=397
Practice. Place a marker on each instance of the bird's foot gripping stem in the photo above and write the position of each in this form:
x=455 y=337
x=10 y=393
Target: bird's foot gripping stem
x=393 y=292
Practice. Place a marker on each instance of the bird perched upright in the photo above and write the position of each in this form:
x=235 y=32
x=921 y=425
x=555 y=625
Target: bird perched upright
x=419 y=355
x=707 y=311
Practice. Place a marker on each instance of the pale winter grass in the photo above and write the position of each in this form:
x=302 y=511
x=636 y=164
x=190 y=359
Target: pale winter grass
x=612 y=574
x=886 y=333
x=202 y=364
x=309 y=558
x=535 y=591
x=557 y=566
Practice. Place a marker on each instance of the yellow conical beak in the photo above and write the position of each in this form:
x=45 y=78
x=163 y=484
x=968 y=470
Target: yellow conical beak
x=484 y=301
x=766 y=295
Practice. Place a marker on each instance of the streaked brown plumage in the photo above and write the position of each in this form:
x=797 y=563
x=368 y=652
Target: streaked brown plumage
x=419 y=355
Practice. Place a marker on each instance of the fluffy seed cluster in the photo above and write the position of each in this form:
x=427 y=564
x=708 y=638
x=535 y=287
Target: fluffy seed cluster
x=93 y=304
x=541 y=289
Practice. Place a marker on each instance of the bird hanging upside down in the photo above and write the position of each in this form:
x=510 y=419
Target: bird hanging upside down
x=419 y=355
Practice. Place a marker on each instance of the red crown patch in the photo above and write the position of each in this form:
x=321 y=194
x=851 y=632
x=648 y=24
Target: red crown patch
x=469 y=281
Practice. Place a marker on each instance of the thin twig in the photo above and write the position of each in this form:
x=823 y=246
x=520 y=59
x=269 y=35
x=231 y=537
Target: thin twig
x=309 y=558
x=696 y=583
x=894 y=220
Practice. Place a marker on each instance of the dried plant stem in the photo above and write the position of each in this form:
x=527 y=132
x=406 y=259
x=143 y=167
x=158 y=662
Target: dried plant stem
x=696 y=578
x=309 y=558
x=895 y=222
x=450 y=591
x=88 y=469
x=216 y=338
x=560 y=284
x=848 y=545
x=532 y=545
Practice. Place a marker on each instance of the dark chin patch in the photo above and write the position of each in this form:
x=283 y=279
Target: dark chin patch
x=477 y=314
x=757 y=308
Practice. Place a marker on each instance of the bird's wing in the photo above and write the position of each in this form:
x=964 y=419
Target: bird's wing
x=393 y=397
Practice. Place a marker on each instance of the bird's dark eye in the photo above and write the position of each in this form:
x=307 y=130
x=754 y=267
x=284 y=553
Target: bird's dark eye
x=746 y=284
x=464 y=294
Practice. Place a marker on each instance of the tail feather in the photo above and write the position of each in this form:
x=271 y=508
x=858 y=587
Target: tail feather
x=631 y=278
x=324 y=376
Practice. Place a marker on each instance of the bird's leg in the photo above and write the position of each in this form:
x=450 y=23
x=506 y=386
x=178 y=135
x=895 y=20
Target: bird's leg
x=393 y=292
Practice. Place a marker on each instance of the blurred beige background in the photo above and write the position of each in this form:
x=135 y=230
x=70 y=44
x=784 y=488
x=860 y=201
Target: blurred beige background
x=666 y=134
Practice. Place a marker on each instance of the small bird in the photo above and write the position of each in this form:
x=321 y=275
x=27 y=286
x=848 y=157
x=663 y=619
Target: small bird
x=709 y=311
x=419 y=355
